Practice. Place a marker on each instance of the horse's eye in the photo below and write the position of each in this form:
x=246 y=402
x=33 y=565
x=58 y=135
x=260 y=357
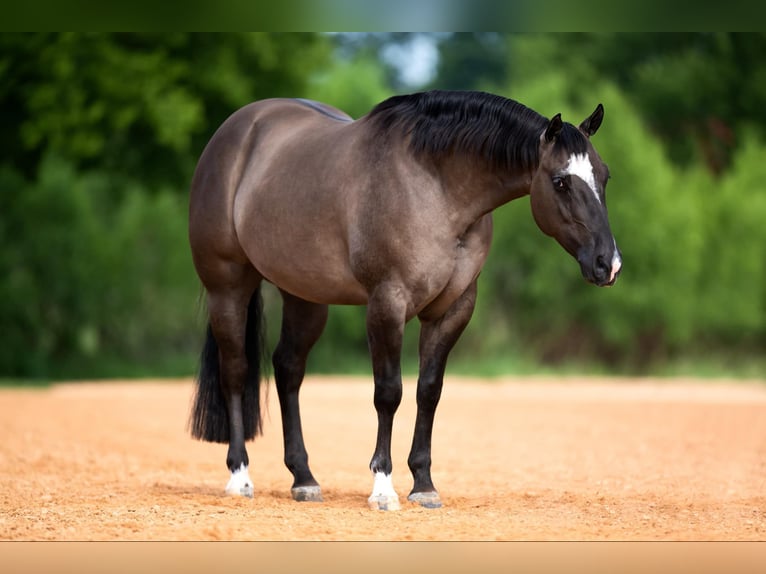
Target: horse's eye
x=559 y=184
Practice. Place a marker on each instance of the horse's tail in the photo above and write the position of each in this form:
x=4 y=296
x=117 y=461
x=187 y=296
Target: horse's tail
x=209 y=419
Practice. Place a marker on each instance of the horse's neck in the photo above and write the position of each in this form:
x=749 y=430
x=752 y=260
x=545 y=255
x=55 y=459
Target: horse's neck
x=477 y=190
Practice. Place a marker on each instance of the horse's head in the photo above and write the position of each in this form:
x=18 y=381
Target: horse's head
x=568 y=197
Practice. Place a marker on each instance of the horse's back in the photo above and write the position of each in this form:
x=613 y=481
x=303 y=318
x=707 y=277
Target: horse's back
x=245 y=141
x=264 y=124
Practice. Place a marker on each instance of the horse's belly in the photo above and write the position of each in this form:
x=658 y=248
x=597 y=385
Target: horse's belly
x=311 y=268
x=329 y=287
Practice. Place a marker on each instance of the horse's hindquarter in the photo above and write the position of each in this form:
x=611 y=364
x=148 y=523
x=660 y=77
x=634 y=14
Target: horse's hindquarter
x=290 y=211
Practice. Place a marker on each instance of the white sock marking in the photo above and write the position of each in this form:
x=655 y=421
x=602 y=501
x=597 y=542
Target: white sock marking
x=240 y=482
x=383 y=486
x=383 y=495
x=579 y=165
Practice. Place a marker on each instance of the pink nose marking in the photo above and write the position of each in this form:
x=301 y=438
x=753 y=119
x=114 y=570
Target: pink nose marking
x=616 y=266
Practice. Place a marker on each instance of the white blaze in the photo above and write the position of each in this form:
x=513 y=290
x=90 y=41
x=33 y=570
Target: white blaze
x=579 y=165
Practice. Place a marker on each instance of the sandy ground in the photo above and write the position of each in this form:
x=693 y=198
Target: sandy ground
x=514 y=459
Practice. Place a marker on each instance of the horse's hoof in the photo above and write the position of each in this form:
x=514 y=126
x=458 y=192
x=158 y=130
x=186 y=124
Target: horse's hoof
x=426 y=499
x=383 y=502
x=307 y=493
x=240 y=483
x=246 y=491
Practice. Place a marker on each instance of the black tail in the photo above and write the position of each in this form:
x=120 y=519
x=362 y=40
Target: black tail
x=209 y=418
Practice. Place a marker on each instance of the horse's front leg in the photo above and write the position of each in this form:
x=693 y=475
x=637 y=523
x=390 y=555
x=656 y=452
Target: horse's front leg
x=437 y=337
x=386 y=315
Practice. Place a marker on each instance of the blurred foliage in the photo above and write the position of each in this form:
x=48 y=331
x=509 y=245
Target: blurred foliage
x=353 y=85
x=101 y=132
x=139 y=105
x=693 y=91
x=686 y=153
x=86 y=276
x=99 y=139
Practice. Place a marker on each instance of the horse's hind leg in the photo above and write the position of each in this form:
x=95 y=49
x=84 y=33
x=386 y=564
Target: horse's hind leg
x=228 y=309
x=302 y=324
x=437 y=337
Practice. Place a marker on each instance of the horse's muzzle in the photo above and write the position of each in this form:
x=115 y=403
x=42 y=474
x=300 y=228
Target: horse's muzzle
x=604 y=270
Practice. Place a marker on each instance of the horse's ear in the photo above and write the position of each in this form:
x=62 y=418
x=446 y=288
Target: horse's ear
x=554 y=128
x=590 y=125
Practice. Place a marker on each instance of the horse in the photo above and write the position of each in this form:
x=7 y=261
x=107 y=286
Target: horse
x=393 y=211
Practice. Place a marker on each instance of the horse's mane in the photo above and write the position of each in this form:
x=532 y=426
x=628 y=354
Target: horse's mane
x=502 y=131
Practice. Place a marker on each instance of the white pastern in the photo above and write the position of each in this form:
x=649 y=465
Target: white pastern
x=579 y=165
x=383 y=486
x=240 y=483
x=383 y=495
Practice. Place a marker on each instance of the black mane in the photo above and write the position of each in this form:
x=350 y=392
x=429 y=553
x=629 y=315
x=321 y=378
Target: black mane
x=502 y=131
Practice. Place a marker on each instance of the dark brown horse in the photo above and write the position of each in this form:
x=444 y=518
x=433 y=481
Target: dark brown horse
x=392 y=211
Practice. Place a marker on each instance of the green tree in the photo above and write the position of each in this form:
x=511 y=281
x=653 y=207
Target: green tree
x=697 y=91
x=100 y=136
x=139 y=105
x=353 y=84
x=693 y=280
x=471 y=61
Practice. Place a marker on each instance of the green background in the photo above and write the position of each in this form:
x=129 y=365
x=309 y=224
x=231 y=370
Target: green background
x=100 y=133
